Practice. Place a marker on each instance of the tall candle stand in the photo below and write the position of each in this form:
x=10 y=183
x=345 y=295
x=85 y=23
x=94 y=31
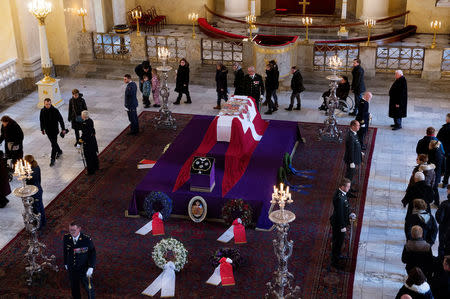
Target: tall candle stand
x=32 y=222
x=165 y=120
x=82 y=12
x=435 y=25
x=369 y=23
x=307 y=21
x=281 y=285
x=137 y=15
x=331 y=131
x=193 y=17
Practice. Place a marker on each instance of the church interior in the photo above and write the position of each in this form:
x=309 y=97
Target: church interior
x=221 y=197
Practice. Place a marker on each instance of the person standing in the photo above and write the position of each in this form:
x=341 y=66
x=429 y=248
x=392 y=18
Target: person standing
x=422 y=146
x=155 y=88
x=239 y=88
x=297 y=88
x=35 y=180
x=363 y=117
x=436 y=157
x=12 y=134
x=443 y=218
x=358 y=87
x=182 y=82
x=444 y=137
x=49 y=118
x=5 y=189
x=146 y=91
x=254 y=85
x=221 y=84
x=90 y=146
x=76 y=105
x=353 y=155
x=143 y=69
x=131 y=104
x=277 y=83
x=79 y=260
x=271 y=87
x=398 y=100
x=339 y=221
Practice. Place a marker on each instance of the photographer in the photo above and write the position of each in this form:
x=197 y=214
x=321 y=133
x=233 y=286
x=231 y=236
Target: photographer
x=49 y=118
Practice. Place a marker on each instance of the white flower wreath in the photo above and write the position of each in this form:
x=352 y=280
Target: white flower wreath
x=170 y=244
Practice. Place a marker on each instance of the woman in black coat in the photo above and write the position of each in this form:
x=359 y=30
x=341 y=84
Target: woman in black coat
x=421 y=217
x=221 y=84
x=5 y=189
x=90 y=147
x=398 y=100
x=38 y=205
x=12 y=134
x=436 y=157
x=76 y=105
x=182 y=83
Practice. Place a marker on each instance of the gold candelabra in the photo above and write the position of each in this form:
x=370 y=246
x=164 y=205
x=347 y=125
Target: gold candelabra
x=137 y=15
x=40 y=9
x=251 y=20
x=307 y=21
x=193 y=17
x=369 y=23
x=82 y=12
x=435 y=25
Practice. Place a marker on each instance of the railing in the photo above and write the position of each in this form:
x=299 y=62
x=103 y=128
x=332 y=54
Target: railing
x=445 y=65
x=175 y=45
x=323 y=53
x=7 y=72
x=407 y=59
x=111 y=46
x=223 y=51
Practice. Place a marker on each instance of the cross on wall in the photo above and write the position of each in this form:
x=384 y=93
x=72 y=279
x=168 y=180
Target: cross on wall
x=303 y=4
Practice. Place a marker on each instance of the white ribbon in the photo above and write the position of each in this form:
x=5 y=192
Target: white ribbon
x=215 y=278
x=228 y=234
x=148 y=227
x=164 y=282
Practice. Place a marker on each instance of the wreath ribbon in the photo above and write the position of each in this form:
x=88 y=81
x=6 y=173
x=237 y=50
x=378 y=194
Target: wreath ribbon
x=164 y=282
x=223 y=273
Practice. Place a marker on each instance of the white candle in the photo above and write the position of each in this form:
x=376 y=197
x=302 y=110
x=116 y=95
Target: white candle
x=253 y=8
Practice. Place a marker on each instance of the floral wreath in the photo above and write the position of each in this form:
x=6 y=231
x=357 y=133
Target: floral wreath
x=237 y=208
x=158 y=202
x=233 y=253
x=161 y=250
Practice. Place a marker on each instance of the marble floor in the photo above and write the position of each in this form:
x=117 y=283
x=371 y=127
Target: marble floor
x=379 y=271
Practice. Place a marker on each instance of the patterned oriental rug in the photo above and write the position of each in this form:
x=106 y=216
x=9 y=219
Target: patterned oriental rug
x=124 y=263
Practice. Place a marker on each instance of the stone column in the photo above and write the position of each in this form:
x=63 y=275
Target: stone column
x=375 y=9
x=368 y=55
x=432 y=64
x=119 y=12
x=236 y=8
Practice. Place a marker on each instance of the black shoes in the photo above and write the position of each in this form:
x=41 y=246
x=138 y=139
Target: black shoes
x=176 y=103
x=156 y=105
x=58 y=154
x=188 y=102
x=268 y=112
x=52 y=162
x=298 y=108
x=147 y=106
x=288 y=108
x=395 y=128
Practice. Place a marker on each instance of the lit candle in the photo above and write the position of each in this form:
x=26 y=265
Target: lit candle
x=281 y=187
x=253 y=7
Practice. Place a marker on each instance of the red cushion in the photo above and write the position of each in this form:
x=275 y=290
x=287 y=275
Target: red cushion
x=214 y=32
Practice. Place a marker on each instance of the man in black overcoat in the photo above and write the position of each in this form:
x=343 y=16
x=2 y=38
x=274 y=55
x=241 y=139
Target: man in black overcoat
x=444 y=137
x=443 y=218
x=398 y=100
x=254 y=85
x=297 y=88
x=49 y=119
x=358 y=87
x=79 y=260
x=419 y=189
x=271 y=86
x=353 y=155
x=12 y=134
x=90 y=147
x=339 y=221
x=363 y=117
x=239 y=87
x=76 y=105
x=143 y=69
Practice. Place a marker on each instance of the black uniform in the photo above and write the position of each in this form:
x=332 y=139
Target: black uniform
x=444 y=137
x=363 y=118
x=12 y=134
x=254 y=87
x=239 y=86
x=76 y=106
x=352 y=153
x=90 y=147
x=49 y=119
x=358 y=86
x=78 y=258
x=339 y=220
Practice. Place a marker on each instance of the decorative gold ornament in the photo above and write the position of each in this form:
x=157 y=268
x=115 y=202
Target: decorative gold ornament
x=251 y=20
x=303 y=3
x=435 y=25
x=82 y=12
x=40 y=9
x=136 y=14
x=307 y=21
x=193 y=17
x=369 y=23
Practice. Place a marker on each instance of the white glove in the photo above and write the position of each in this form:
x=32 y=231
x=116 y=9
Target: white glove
x=343 y=230
x=362 y=154
x=65 y=267
x=352 y=165
x=126 y=109
x=352 y=216
x=89 y=272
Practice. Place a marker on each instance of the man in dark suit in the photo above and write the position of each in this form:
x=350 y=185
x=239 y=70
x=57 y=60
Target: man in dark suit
x=358 y=86
x=363 y=117
x=297 y=88
x=79 y=260
x=444 y=137
x=239 y=88
x=49 y=119
x=254 y=85
x=398 y=100
x=131 y=104
x=339 y=221
x=353 y=155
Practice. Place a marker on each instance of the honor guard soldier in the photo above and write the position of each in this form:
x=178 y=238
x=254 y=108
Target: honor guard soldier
x=79 y=260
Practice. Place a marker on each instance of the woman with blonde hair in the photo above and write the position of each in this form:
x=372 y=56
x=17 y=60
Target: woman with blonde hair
x=38 y=205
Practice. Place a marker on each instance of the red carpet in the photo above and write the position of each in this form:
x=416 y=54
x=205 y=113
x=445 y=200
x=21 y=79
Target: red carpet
x=125 y=266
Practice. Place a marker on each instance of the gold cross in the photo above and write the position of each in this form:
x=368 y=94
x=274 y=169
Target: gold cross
x=304 y=3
